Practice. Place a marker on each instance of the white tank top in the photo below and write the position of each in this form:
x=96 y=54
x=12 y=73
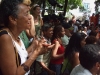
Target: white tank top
x=21 y=51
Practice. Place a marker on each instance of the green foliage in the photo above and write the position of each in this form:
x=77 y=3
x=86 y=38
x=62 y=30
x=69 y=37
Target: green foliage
x=82 y=9
x=72 y=4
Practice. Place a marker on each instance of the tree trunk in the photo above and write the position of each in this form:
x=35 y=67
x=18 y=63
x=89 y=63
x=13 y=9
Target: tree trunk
x=65 y=7
x=43 y=9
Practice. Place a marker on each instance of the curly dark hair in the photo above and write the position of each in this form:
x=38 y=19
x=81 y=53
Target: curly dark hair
x=56 y=31
x=8 y=8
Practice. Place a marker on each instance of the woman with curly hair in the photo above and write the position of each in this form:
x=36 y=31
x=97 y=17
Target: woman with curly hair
x=14 y=58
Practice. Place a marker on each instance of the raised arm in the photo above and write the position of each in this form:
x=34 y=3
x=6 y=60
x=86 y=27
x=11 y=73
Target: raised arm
x=31 y=32
x=54 y=51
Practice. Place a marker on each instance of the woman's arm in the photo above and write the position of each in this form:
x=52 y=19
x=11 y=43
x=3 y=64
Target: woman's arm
x=8 y=58
x=31 y=32
x=75 y=59
x=54 y=51
x=50 y=72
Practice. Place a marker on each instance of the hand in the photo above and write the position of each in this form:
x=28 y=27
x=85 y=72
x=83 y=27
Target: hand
x=50 y=72
x=32 y=28
x=42 y=47
x=51 y=46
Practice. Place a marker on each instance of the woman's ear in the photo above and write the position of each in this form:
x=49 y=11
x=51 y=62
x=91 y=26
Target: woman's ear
x=13 y=20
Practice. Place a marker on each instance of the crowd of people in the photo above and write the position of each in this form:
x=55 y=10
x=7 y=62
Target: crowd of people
x=54 y=45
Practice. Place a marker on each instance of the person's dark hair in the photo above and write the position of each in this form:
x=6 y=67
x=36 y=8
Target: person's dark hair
x=86 y=23
x=89 y=55
x=46 y=26
x=91 y=40
x=65 y=25
x=74 y=44
x=93 y=33
x=80 y=27
x=70 y=22
x=8 y=8
x=56 y=31
x=96 y=27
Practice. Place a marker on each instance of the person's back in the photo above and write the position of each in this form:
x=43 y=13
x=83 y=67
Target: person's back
x=93 y=19
x=89 y=61
x=79 y=70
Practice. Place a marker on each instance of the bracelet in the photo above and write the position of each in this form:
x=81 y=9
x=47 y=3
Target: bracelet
x=25 y=67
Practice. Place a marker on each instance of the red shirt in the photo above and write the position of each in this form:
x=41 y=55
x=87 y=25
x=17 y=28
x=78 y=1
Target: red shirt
x=60 y=60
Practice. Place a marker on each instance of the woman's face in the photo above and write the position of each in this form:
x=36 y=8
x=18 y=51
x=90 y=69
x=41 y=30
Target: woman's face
x=83 y=42
x=37 y=11
x=24 y=20
x=62 y=33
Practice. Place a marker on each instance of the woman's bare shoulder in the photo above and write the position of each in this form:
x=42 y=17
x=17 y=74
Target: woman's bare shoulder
x=76 y=54
x=7 y=55
x=5 y=41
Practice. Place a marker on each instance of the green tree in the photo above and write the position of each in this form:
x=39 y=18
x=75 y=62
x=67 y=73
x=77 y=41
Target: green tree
x=70 y=4
x=82 y=9
x=67 y=4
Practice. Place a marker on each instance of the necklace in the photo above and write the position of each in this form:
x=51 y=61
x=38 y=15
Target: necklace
x=17 y=39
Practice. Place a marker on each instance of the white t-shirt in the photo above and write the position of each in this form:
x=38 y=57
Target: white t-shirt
x=75 y=28
x=65 y=40
x=79 y=70
x=21 y=51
